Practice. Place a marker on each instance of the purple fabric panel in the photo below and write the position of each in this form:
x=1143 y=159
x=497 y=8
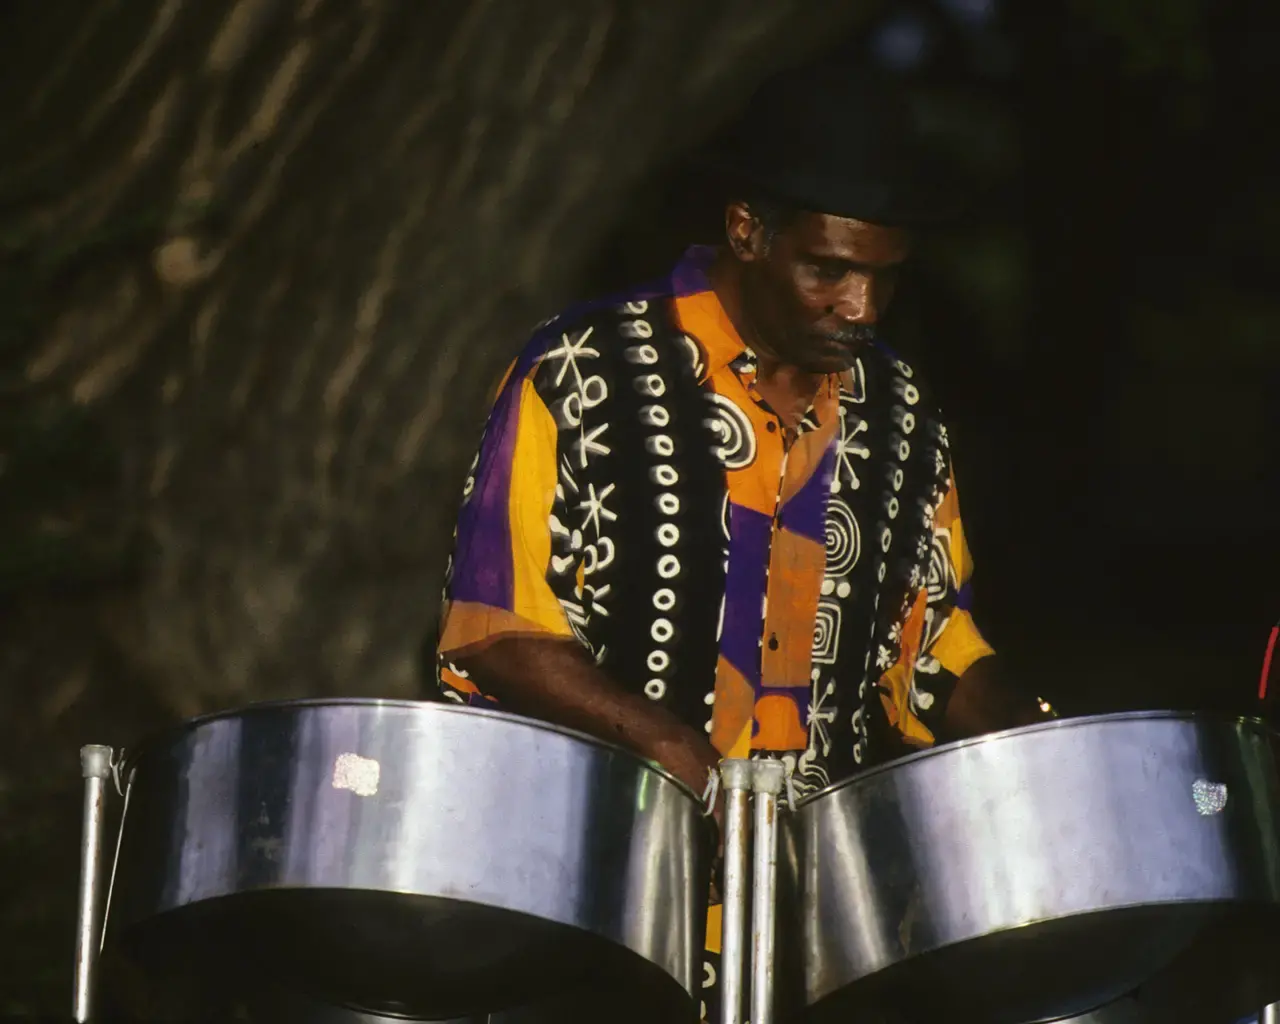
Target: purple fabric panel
x=806 y=512
x=744 y=590
x=690 y=274
x=482 y=569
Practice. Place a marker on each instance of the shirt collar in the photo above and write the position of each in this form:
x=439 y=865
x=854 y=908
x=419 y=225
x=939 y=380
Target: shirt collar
x=700 y=315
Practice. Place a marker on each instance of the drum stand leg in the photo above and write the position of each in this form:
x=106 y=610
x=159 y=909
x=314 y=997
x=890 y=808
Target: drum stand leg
x=769 y=778
x=735 y=779
x=741 y=780
x=1270 y=1014
x=95 y=767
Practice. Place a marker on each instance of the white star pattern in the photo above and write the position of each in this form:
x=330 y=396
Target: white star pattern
x=594 y=508
x=570 y=351
x=847 y=449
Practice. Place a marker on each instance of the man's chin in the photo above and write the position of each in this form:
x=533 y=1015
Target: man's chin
x=836 y=357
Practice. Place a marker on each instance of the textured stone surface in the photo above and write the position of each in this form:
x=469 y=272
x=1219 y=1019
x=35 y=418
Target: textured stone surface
x=287 y=247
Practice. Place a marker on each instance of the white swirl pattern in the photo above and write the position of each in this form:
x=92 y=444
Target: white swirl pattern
x=735 y=437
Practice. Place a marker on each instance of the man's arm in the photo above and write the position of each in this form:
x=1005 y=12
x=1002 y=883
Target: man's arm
x=983 y=702
x=556 y=681
x=949 y=686
x=505 y=634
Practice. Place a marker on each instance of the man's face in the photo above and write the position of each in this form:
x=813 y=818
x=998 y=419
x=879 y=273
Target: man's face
x=811 y=293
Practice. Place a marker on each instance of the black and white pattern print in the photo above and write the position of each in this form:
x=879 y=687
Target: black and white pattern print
x=640 y=524
x=736 y=447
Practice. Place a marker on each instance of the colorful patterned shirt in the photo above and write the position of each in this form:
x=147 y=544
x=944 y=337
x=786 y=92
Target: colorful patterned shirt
x=579 y=524
x=795 y=596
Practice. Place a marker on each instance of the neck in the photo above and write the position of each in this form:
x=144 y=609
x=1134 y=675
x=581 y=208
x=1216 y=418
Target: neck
x=789 y=389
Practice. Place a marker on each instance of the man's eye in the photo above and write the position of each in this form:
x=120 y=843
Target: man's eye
x=828 y=271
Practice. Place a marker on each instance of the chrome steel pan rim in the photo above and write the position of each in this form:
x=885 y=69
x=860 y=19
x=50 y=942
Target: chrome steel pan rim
x=1055 y=725
x=133 y=755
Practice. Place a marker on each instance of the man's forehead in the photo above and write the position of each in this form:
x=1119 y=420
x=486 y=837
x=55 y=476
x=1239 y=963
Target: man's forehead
x=846 y=237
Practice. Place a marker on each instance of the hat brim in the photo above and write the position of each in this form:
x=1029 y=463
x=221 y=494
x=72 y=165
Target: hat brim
x=923 y=197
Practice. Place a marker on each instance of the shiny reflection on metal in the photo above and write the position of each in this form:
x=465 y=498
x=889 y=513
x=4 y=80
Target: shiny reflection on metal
x=736 y=780
x=413 y=859
x=1122 y=1011
x=1043 y=872
x=768 y=779
x=1270 y=1014
x=95 y=769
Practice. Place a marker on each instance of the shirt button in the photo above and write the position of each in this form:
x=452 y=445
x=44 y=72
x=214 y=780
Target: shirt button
x=771 y=427
x=773 y=642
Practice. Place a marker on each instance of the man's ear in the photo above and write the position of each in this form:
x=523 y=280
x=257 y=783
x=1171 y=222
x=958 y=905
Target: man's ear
x=744 y=232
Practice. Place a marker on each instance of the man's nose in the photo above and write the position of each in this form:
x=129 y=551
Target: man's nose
x=858 y=302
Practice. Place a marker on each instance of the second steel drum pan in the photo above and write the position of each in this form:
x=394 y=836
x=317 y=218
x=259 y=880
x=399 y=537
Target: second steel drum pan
x=1039 y=874
x=409 y=859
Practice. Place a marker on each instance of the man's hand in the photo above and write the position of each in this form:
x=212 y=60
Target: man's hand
x=556 y=681
x=983 y=703
x=686 y=755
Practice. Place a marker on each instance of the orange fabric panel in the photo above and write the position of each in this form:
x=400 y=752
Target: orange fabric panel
x=702 y=316
x=795 y=582
x=779 y=724
x=809 y=448
x=732 y=712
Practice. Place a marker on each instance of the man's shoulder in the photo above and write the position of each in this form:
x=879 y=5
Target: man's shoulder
x=650 y=301
x=621 y=332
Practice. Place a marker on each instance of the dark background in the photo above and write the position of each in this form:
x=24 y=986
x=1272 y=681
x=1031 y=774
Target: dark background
x=260 y=261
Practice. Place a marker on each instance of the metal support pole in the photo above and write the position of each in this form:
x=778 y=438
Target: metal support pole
x=736 y=779
x=769 y=779
x=1270 y=1014
x=95 y=767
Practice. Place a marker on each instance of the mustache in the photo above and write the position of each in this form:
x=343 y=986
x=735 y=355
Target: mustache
x=850 y=334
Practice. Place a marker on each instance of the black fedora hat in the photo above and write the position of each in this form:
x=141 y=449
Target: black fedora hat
x=838 y=139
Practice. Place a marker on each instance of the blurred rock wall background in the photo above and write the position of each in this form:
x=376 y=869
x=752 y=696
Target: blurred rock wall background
x=261 y=261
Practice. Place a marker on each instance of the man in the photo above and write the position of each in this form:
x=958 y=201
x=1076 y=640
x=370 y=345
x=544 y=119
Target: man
x=717 y=516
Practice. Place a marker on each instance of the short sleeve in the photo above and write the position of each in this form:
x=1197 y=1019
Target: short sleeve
x=940 y=639
x=507 y=570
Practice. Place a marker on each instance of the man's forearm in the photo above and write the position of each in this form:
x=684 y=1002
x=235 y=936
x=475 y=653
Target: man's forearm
x=556 y=681
x=982 y=702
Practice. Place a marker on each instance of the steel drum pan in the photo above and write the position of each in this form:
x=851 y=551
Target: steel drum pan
x=1039 y=874
x=406 y=859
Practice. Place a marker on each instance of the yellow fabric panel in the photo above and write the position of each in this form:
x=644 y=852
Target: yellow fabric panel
x=715 y=927
x=742 y=745
x=897 y=680
x=897 y=705
x=470 y=626
x=948 y=518
x=533 y=490
x=960 y=644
